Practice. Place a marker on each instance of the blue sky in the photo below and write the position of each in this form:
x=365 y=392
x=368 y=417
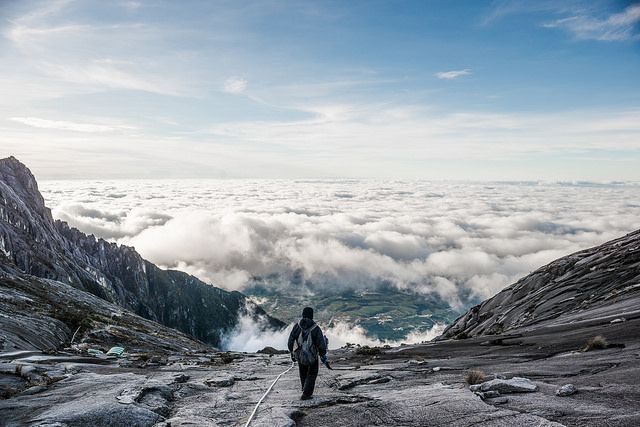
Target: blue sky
x=506 y=90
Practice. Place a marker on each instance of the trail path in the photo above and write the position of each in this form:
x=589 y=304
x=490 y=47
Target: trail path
x=367 y=396
x=408 y=386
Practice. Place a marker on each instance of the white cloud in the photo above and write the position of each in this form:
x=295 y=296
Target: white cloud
x=111 y=224
x=615 y=27
x=66 y=125
x=101 y=74
x=131 y=6
x=22 y=34
x=448 y=239
x=420 y=133
x=278 y=129
x=252 y=334
x=453 y=74
x=43 y=10
x=235 y=85
x=69 y=57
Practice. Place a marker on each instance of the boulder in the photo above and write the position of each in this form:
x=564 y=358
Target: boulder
x=566 y=390
x=487 y=395
x=181 y=378
x=491 y=394
x=500 y=401
x=271 y=350
x=380 y=380
x=220 y=382
x=513 y=385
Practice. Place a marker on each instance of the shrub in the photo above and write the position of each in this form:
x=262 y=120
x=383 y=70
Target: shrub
x=7 y=392
x=271 y=351
x=475 y=376
x=368 y=351
x=596 y=343
x=226 y=358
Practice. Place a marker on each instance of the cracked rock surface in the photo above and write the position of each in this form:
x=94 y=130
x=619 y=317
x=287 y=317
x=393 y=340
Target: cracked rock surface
x=211 y=389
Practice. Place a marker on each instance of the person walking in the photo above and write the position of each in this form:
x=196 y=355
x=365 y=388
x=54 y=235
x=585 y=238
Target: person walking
x=306 y=342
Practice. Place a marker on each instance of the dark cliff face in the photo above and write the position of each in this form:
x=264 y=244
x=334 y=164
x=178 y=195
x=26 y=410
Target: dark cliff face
x=32 y=241
x=586 y=283
x=43 y=314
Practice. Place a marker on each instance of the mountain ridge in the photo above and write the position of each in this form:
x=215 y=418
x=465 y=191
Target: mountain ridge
x=40 y=246
x=595 y=278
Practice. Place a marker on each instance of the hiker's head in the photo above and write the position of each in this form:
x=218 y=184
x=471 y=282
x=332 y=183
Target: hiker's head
x=307 y=313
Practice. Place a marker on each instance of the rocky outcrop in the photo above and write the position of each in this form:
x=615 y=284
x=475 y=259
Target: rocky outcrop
x=413 y=385
x=35 y=243
x=511 y=385
x=589 y=280
x=44 y=314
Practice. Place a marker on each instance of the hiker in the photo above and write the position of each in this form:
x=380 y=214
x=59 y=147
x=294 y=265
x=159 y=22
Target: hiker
x=309 y=342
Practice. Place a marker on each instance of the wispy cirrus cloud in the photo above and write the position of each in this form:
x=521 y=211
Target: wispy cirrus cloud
x=584 y=20
x=24 y=34
x=104 y=74
x=453 y=74
x=218 y=75
x=504 y=8
x=235 y=85
x=71 y=126
x=74 y=56
x=468 y=133
x=615 y=27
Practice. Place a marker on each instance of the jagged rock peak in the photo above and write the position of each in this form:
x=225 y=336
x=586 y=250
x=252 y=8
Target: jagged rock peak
x=32 y=242
x=20 y=179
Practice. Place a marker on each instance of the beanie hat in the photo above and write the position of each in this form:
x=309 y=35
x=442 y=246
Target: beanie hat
x=307 y=313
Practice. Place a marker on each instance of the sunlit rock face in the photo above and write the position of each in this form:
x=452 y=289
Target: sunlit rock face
x=593 y=282
x=36 y=244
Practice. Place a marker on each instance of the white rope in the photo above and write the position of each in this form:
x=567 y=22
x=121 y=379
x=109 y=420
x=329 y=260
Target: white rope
x=74 y=335
x=267 y=392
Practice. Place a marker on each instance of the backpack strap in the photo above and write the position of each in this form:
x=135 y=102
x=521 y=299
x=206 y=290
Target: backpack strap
x=303 y=330
x=315 y=325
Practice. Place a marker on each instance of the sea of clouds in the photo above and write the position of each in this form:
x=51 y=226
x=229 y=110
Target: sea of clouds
x=252 y=335
x=461 y=241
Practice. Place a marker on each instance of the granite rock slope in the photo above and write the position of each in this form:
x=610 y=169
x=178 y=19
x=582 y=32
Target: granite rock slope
x=45 y=315
x=596 y=280
x=35 y=243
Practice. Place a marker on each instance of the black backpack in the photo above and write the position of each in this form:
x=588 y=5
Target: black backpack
x=306 y=351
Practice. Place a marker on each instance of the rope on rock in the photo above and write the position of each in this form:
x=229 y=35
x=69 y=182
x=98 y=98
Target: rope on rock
x=266 y=393
x=74 y=335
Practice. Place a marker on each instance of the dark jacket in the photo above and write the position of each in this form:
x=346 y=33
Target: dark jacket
x=316 y=335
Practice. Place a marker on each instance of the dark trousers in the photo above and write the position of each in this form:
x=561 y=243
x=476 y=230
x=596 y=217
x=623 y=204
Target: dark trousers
x=308 y=375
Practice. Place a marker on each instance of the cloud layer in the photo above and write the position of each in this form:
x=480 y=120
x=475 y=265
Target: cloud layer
x=252 y=335
x=66 y=125
x=461 y=241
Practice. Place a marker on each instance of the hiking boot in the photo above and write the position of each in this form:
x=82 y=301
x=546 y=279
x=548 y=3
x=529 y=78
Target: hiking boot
x=305 y=397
